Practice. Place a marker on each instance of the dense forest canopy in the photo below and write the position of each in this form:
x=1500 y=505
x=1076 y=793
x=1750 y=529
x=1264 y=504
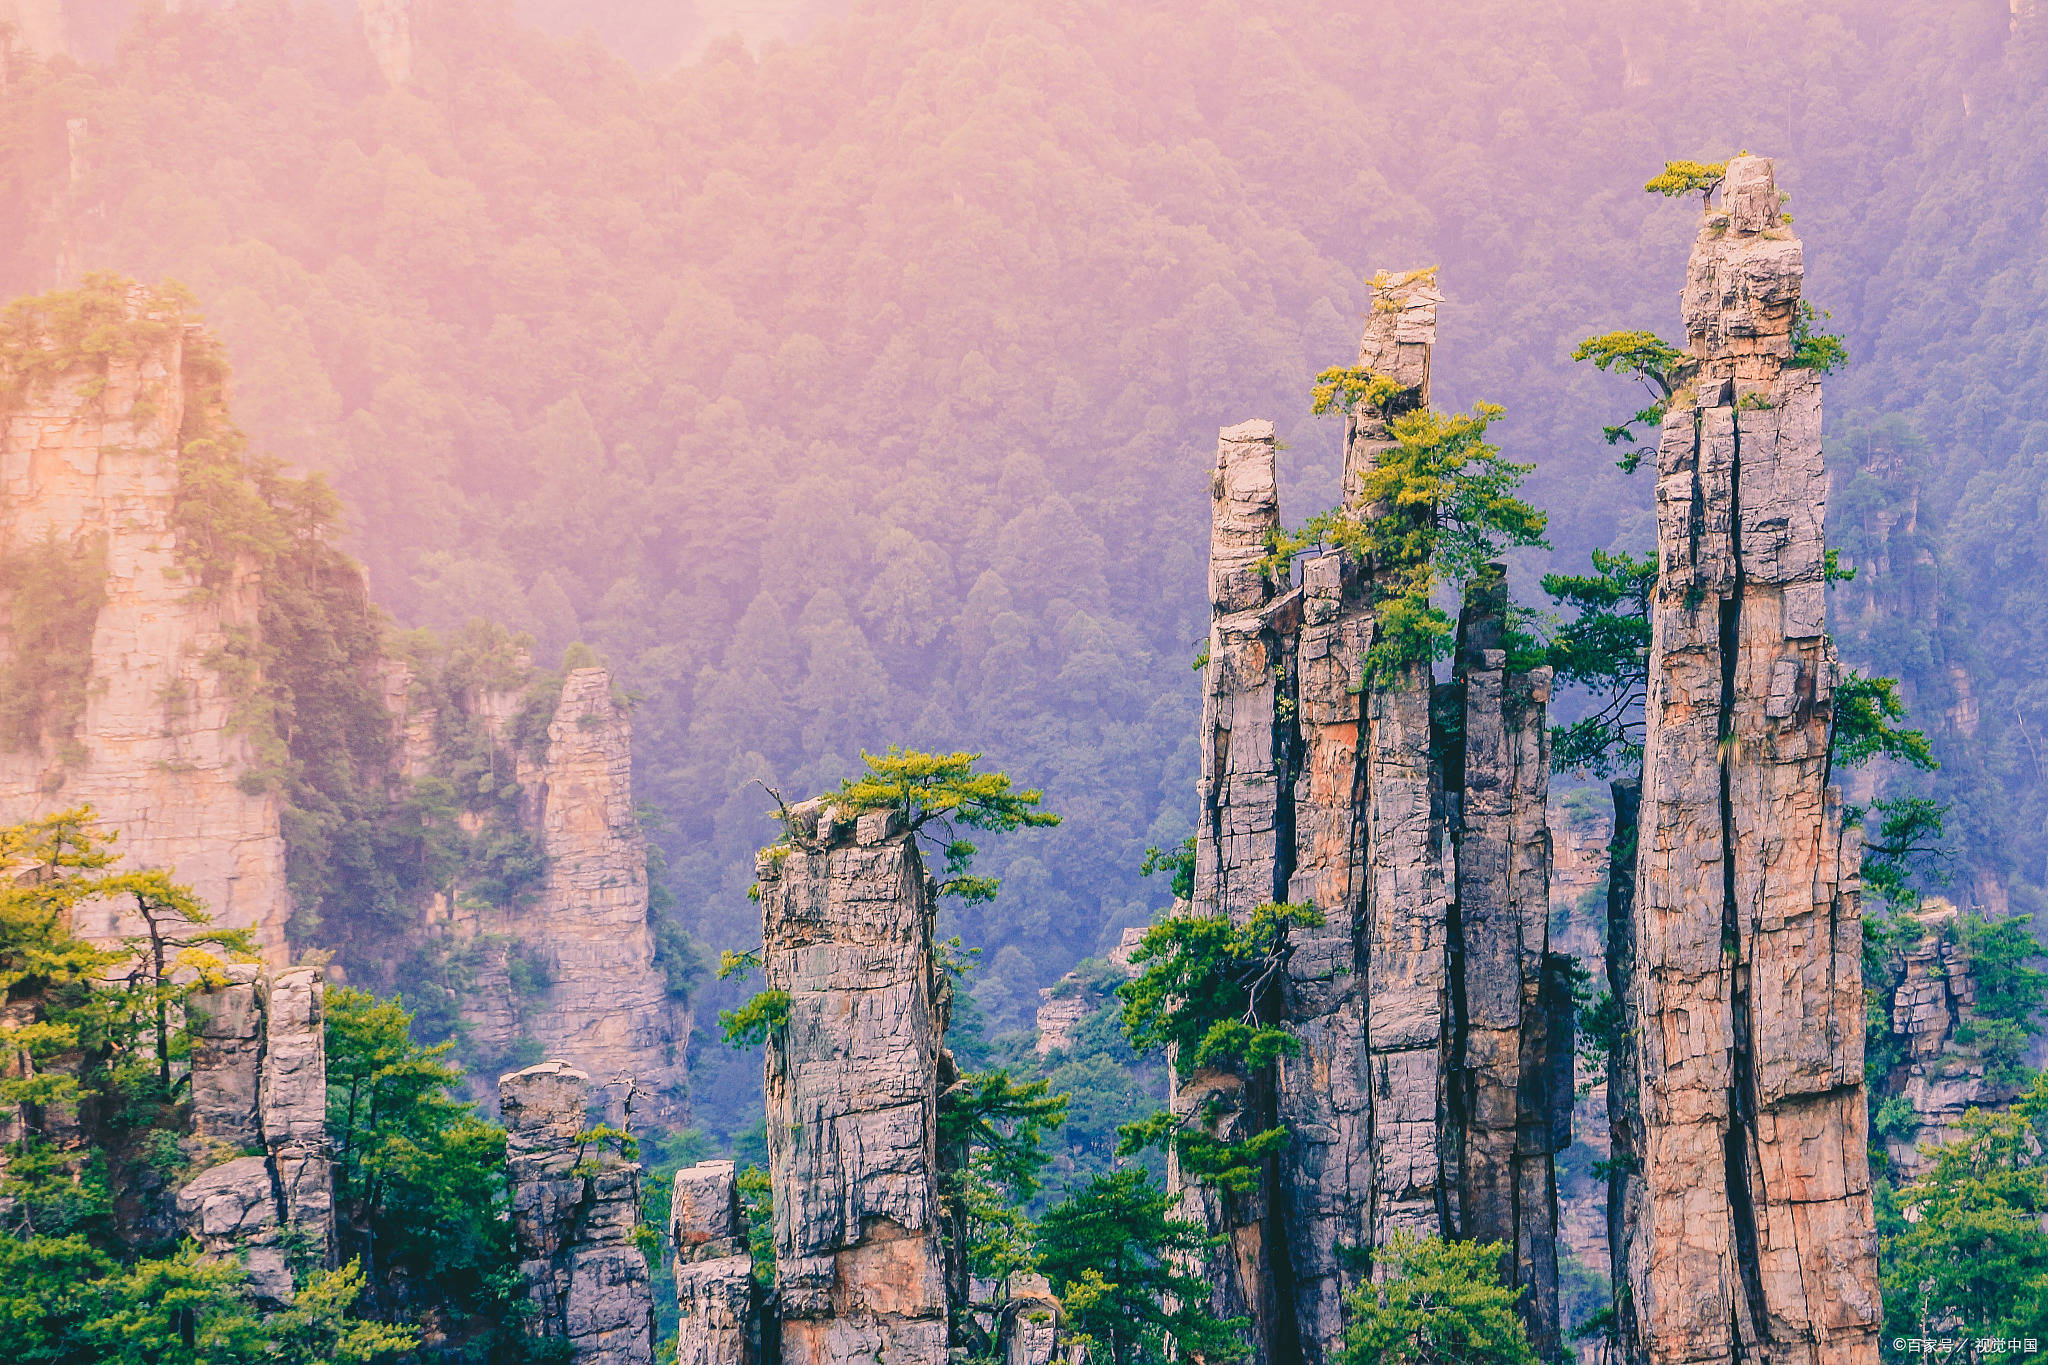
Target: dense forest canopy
x=865 y=389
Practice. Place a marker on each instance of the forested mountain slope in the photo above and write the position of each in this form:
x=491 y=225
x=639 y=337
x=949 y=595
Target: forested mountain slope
x=863 y=391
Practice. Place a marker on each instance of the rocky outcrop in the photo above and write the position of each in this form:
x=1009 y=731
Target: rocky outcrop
x=259 y=1087
x=1070 y=1000
x=852 y=1080
x=1938 y=1077
x=1750 y=1231
x=1433 y=1083
x=89 y=467
x=575 y=1205
x=715 y=1298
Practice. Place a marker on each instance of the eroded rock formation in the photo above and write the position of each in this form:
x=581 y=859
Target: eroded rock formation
x=575 y=1205
x=89 y=470
x=1433 y=1083
x=1938 y=1077
x=143 y=692
x=715 y=1299
x=1749 y=1232
x=852 y=1078
x=259 y=1088
x=603 y=1004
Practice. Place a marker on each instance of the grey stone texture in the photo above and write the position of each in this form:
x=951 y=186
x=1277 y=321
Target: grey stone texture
x=259 y=1088
x=1750 y=1232
x=715 y=1299
x=852 y=1080
x=575 y=1205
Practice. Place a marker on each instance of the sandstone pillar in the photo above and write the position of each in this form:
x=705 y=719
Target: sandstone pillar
x=1244 y=852
x=715 y=1306
x=1753 y=1218
x=575 y=1205
x=1513 y=1036
x=852 y=1091
x=259 y=1080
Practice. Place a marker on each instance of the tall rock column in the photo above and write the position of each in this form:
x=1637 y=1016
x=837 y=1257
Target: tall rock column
x=1244 y=851
x=852 y=1091
x=1513 y=1041
x=259 y=1080
x=1406 y=895
x=715 y=1308
x=574 y=1209
x=1753 y=1230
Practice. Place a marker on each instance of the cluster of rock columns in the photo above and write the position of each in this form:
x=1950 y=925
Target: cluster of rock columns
x=1435 y=1028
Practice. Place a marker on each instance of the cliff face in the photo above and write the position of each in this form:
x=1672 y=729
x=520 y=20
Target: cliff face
x=1433 y=1083
x=599 y=1001
x=181 y=650
x=1749 y=1230
x=150 y=728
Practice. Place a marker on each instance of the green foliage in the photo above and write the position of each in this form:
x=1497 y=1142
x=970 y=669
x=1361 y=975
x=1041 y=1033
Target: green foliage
x=106 y=320
x=1113 y=1253
x=1688 y=177
x=419 y=1178
x=754 y=1023
x=1436 y=508
x=2005 y=1017
x=1812 y=350
x=1864 y=711
x=186 y=1309
x=757 y=1196
x=1203 y=984
x=1003 y=1122
x=1200 y=984
x=1437 y=1301
x=1341 y=389
x=319 y=1328
x=1973 y=1259
x=50 y=597
x=1906 y=846
x=945 y=790
x=1661 y=367
x=1606 y=650
x=1178 y=865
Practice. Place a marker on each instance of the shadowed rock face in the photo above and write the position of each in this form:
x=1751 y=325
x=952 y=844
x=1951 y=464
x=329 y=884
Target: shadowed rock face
x=1406 y=1108
x=574 y=1208
x=1749 y=1231
x=852 y=1087
x=89 y=458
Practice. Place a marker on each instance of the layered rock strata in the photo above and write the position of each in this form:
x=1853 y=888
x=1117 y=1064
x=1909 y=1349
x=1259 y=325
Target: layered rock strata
x=575 y=1205
x=1750 y=1226
x=1408 y=1106
x=259 y=1088
x=716 y=1321
x=852 y=1079
x=89 y=466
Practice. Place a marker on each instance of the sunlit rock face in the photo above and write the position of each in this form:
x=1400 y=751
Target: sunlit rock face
x=1433 y=1084
x=159 y=748
x=1748 y=1224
